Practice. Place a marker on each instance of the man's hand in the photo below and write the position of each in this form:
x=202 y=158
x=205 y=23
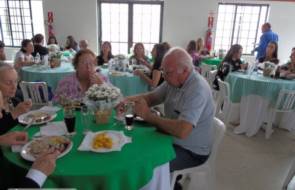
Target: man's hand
x=141 y=109
x=45 y=163
x=21 y=108
x=14 y=138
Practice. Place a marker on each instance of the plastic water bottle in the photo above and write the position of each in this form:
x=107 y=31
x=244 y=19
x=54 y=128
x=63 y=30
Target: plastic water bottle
x=37 y=58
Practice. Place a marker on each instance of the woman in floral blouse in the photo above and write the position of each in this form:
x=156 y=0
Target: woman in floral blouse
x=75 y=85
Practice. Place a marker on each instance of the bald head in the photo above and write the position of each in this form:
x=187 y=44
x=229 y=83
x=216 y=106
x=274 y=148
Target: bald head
x=178 y=58
x=177 y=66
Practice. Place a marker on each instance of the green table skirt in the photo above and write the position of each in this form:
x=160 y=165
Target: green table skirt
x=131 y=168
x=212 y=61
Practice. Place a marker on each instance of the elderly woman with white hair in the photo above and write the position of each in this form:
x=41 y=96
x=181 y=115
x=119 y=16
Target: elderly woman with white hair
x=12 y=107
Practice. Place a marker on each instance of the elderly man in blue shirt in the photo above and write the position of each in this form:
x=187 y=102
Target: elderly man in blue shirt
x=189 y=109
x=267 y=36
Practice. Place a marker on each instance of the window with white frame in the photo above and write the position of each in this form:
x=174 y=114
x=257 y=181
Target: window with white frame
x=128 y=22
x=239 y=24
x=20 y=19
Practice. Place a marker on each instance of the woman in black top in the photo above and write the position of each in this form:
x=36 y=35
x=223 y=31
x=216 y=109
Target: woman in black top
x=105 y=53
x=271 y=53
x=232 y=62
x=12 y=108
x=156 y=78
x=71 y=44
x=38 y=41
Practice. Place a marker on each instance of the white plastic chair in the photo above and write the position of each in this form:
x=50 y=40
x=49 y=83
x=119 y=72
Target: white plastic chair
x=285 y=103
x=211 y=77
x=223 y=107
x=203 y=177
x=290 y=175
x=205 y=70
x=36 y=91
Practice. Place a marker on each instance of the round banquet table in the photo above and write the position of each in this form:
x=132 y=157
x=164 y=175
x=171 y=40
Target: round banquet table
x=128 y=83
x=255 y=95
x=212 y=61
x=50 y=76
x=142 y=164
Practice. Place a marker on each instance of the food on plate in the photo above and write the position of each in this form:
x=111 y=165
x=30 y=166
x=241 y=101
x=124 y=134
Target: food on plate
x=102 y=140
x=38 y=116
x=42 y=145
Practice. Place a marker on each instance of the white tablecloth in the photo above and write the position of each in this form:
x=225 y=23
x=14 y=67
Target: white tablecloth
x=253 y=111
x=160 y=180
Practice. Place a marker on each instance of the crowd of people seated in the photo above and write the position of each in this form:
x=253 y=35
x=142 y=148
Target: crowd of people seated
x=185 y=94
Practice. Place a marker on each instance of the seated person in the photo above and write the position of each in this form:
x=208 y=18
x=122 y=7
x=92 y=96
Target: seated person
x=38 y=41
x=2 y=52
x=271 y=54
x=189 y=109
x=156 y=78
x=192 y=50
x=24 y=56
x=75 y=85
x=138 y=57
x=231 y=62
x=105 y=53
x=41 y=168
x=12 y=107
x=288 y=70
x=201 y=50
x=83 y=44
x=52 y=40
x=71 y=44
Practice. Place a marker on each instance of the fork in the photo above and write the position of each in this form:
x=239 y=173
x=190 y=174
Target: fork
x=29 y=124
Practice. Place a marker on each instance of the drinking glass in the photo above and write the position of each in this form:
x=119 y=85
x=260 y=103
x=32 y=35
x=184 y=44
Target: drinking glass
x=70 y=118
x=85 y=118
x=129 y=116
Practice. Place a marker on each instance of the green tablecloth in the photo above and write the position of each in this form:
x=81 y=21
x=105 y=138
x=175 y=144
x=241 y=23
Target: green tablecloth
x=48 y=75
x=256 y=84
x=131 y=168
x=212 y=61
x=128 y=83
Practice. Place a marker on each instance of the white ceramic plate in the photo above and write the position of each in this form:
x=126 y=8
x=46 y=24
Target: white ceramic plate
x=118 y=140
x=25 y=153
x=25 y=120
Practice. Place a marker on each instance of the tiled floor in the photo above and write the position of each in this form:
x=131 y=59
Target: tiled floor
x=255 y=163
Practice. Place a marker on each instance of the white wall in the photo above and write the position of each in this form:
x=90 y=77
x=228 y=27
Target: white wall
x=184 y=20
x=74 y=17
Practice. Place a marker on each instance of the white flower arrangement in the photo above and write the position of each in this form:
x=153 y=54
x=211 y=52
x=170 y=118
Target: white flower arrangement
x=103 y=92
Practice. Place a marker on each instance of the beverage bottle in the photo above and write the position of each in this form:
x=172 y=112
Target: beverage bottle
x=37 y=58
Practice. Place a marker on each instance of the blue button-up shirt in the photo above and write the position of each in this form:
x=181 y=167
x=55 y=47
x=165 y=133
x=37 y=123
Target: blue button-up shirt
x=265 y=38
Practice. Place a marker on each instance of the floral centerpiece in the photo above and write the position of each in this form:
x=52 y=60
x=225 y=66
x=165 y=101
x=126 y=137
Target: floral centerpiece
x=102 y=98
x=54 y=59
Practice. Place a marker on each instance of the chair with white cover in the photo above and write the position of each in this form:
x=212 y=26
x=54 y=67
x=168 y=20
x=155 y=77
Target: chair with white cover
x=285 y=103
x=36 y=91
x=202 y=177
x=211 y=77
x=290 y=175
x=223 y=107
x=205 y=70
